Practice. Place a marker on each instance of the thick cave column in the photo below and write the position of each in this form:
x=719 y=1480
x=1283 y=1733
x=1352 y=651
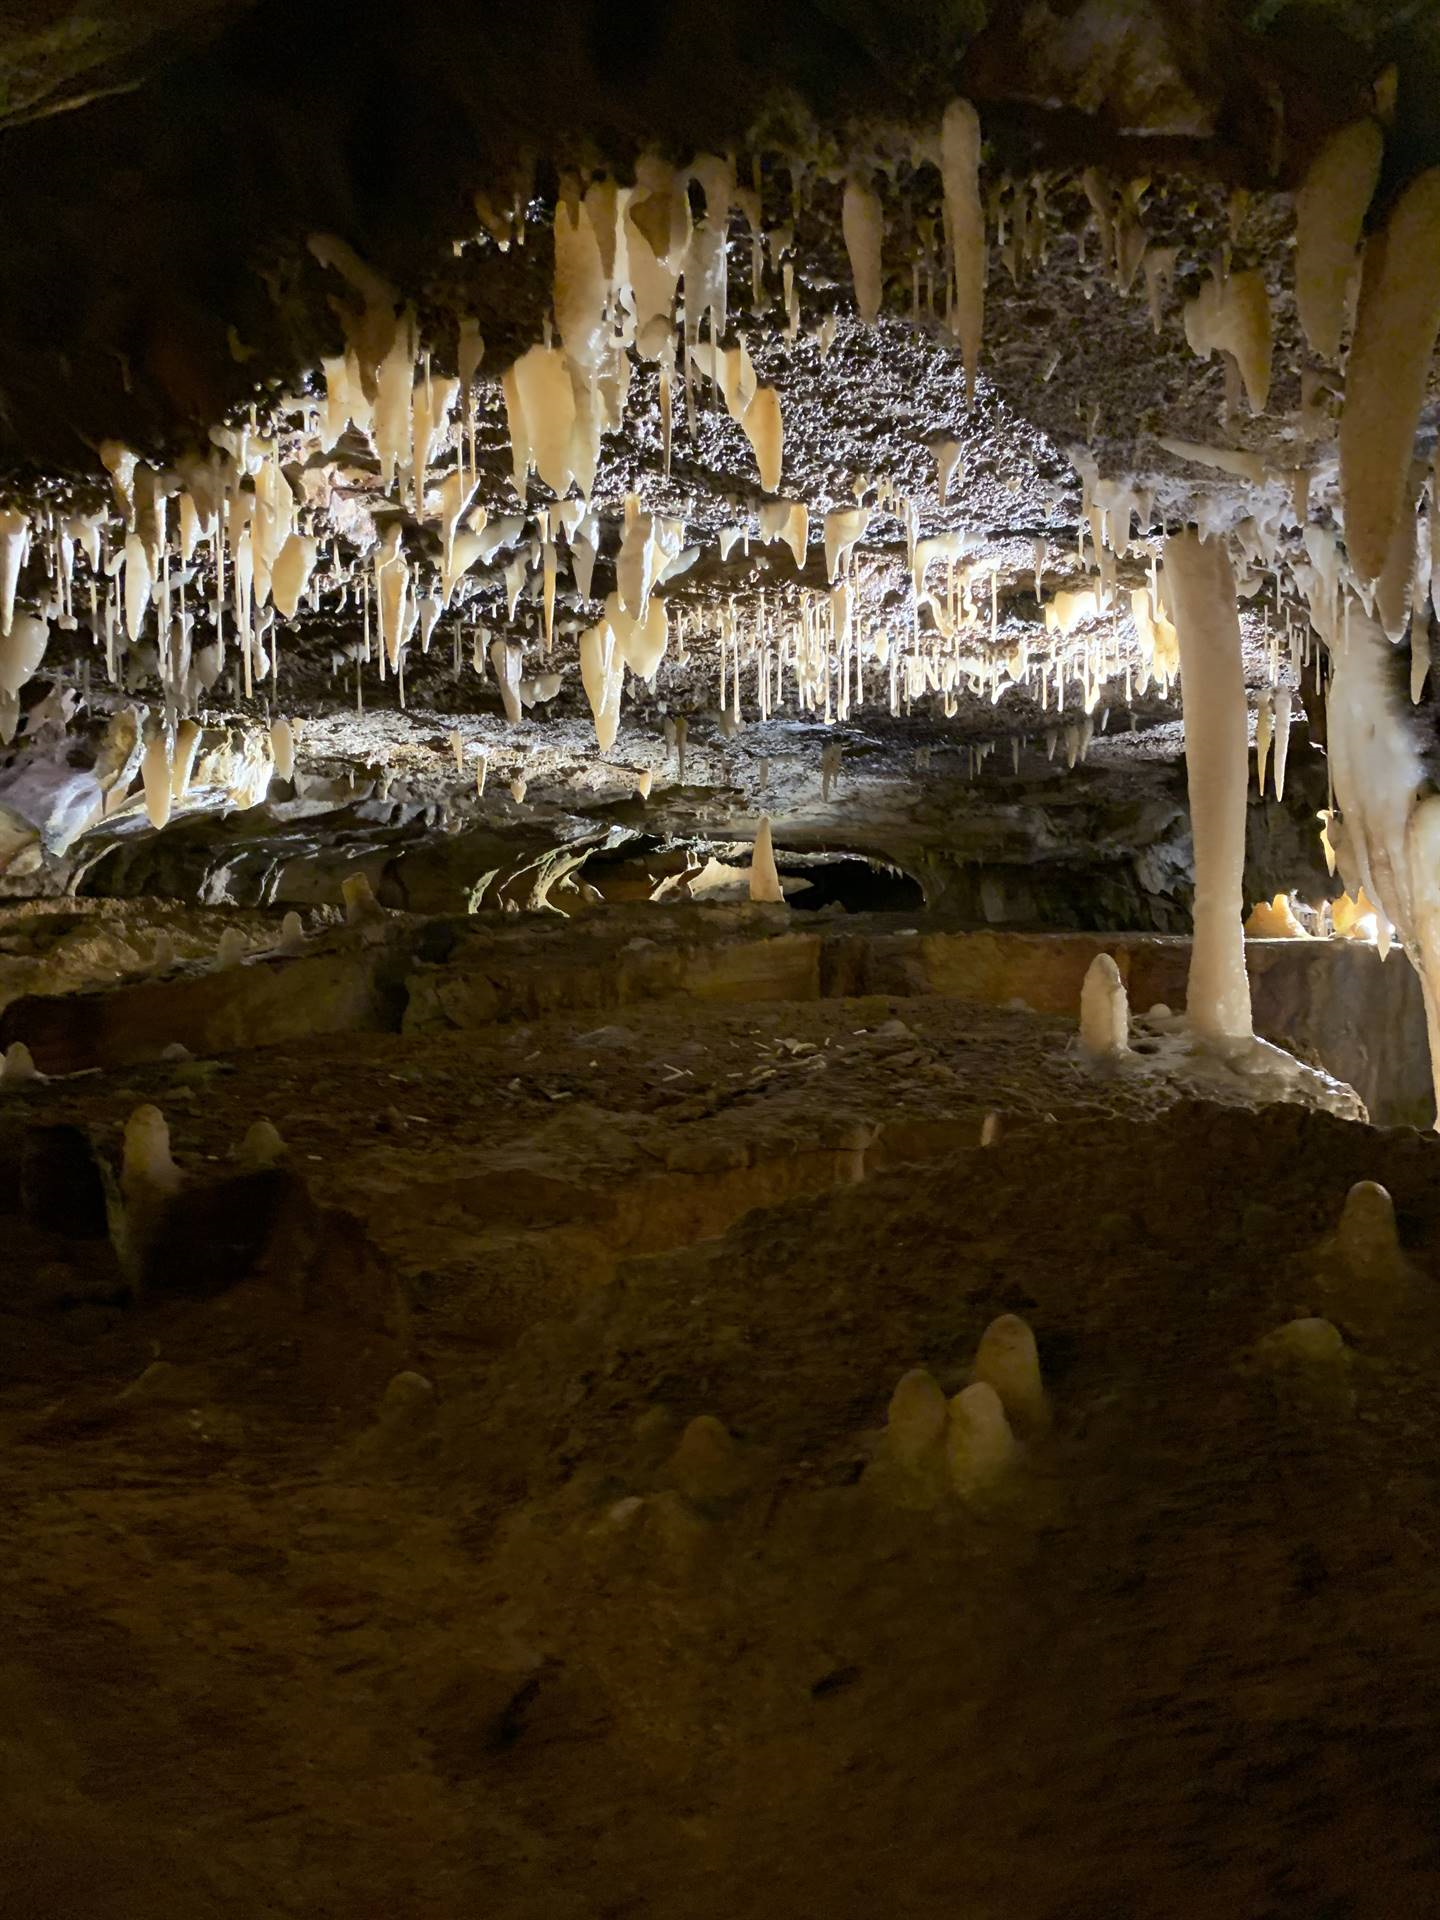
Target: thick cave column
x=1201 y=592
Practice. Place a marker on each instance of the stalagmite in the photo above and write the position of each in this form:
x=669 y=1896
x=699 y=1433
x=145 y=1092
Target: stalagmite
x=1329 y=218
x=1367 y=1239
x=965 y=228
x=360 y=902
x=282 y=745
x=1274 y=920
x=292 y=935
x=1200 y=588
x=1385 y=376
x=916 y=1420
x=147 y=1168
x=230 y=949
x=764 y=875
x=262 y=1148
x=1104 y=1010
x=1007 y=1360
x=979 y=1446
x=863 y=224
x=17 y=1068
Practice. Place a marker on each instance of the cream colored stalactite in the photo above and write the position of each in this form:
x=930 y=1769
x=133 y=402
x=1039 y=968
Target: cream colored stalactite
x=545 y=421
x=1200 y=588
x=602 y=674
x=1232 y=313
x=391 y=424
x=641 y=643
x=862 y=221
x=291 y=573
x=1282 y=738
x=431 y=401
x=1330 y=213
x=787 y=521
x=765 y=431
x=137 y=585
x=1397 y=576
x=1387 y=839
x=506 y=662
x=845 y=527
x=965 y=226
x=1396 y=323
x=155 y=774
x=120 y=463
x=1264 y=732
x=21 y=650
x=182 y=760
x=947 y=463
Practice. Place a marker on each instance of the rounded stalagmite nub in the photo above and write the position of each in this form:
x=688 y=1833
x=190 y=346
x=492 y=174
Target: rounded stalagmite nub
x=706 y=1463
x=979 y=1446
x=147 y=1164
x=1007 y=1361
x=263 y=1147
x=1368 y=1235
x=360 y=901
x=18 y=1067
x=915 y=1421
x=1104 y=1010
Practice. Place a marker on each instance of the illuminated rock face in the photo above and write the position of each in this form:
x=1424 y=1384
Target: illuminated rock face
x=736 y=468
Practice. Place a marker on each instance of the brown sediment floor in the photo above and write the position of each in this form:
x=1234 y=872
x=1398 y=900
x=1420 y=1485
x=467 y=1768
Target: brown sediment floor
x=268 y=1650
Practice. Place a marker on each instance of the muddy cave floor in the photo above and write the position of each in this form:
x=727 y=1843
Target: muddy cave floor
x=270 y=1649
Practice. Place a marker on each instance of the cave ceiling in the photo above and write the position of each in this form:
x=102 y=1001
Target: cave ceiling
x=205 y=206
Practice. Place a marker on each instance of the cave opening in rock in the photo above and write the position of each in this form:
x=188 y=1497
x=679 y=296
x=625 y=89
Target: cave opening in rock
x=857 y=884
